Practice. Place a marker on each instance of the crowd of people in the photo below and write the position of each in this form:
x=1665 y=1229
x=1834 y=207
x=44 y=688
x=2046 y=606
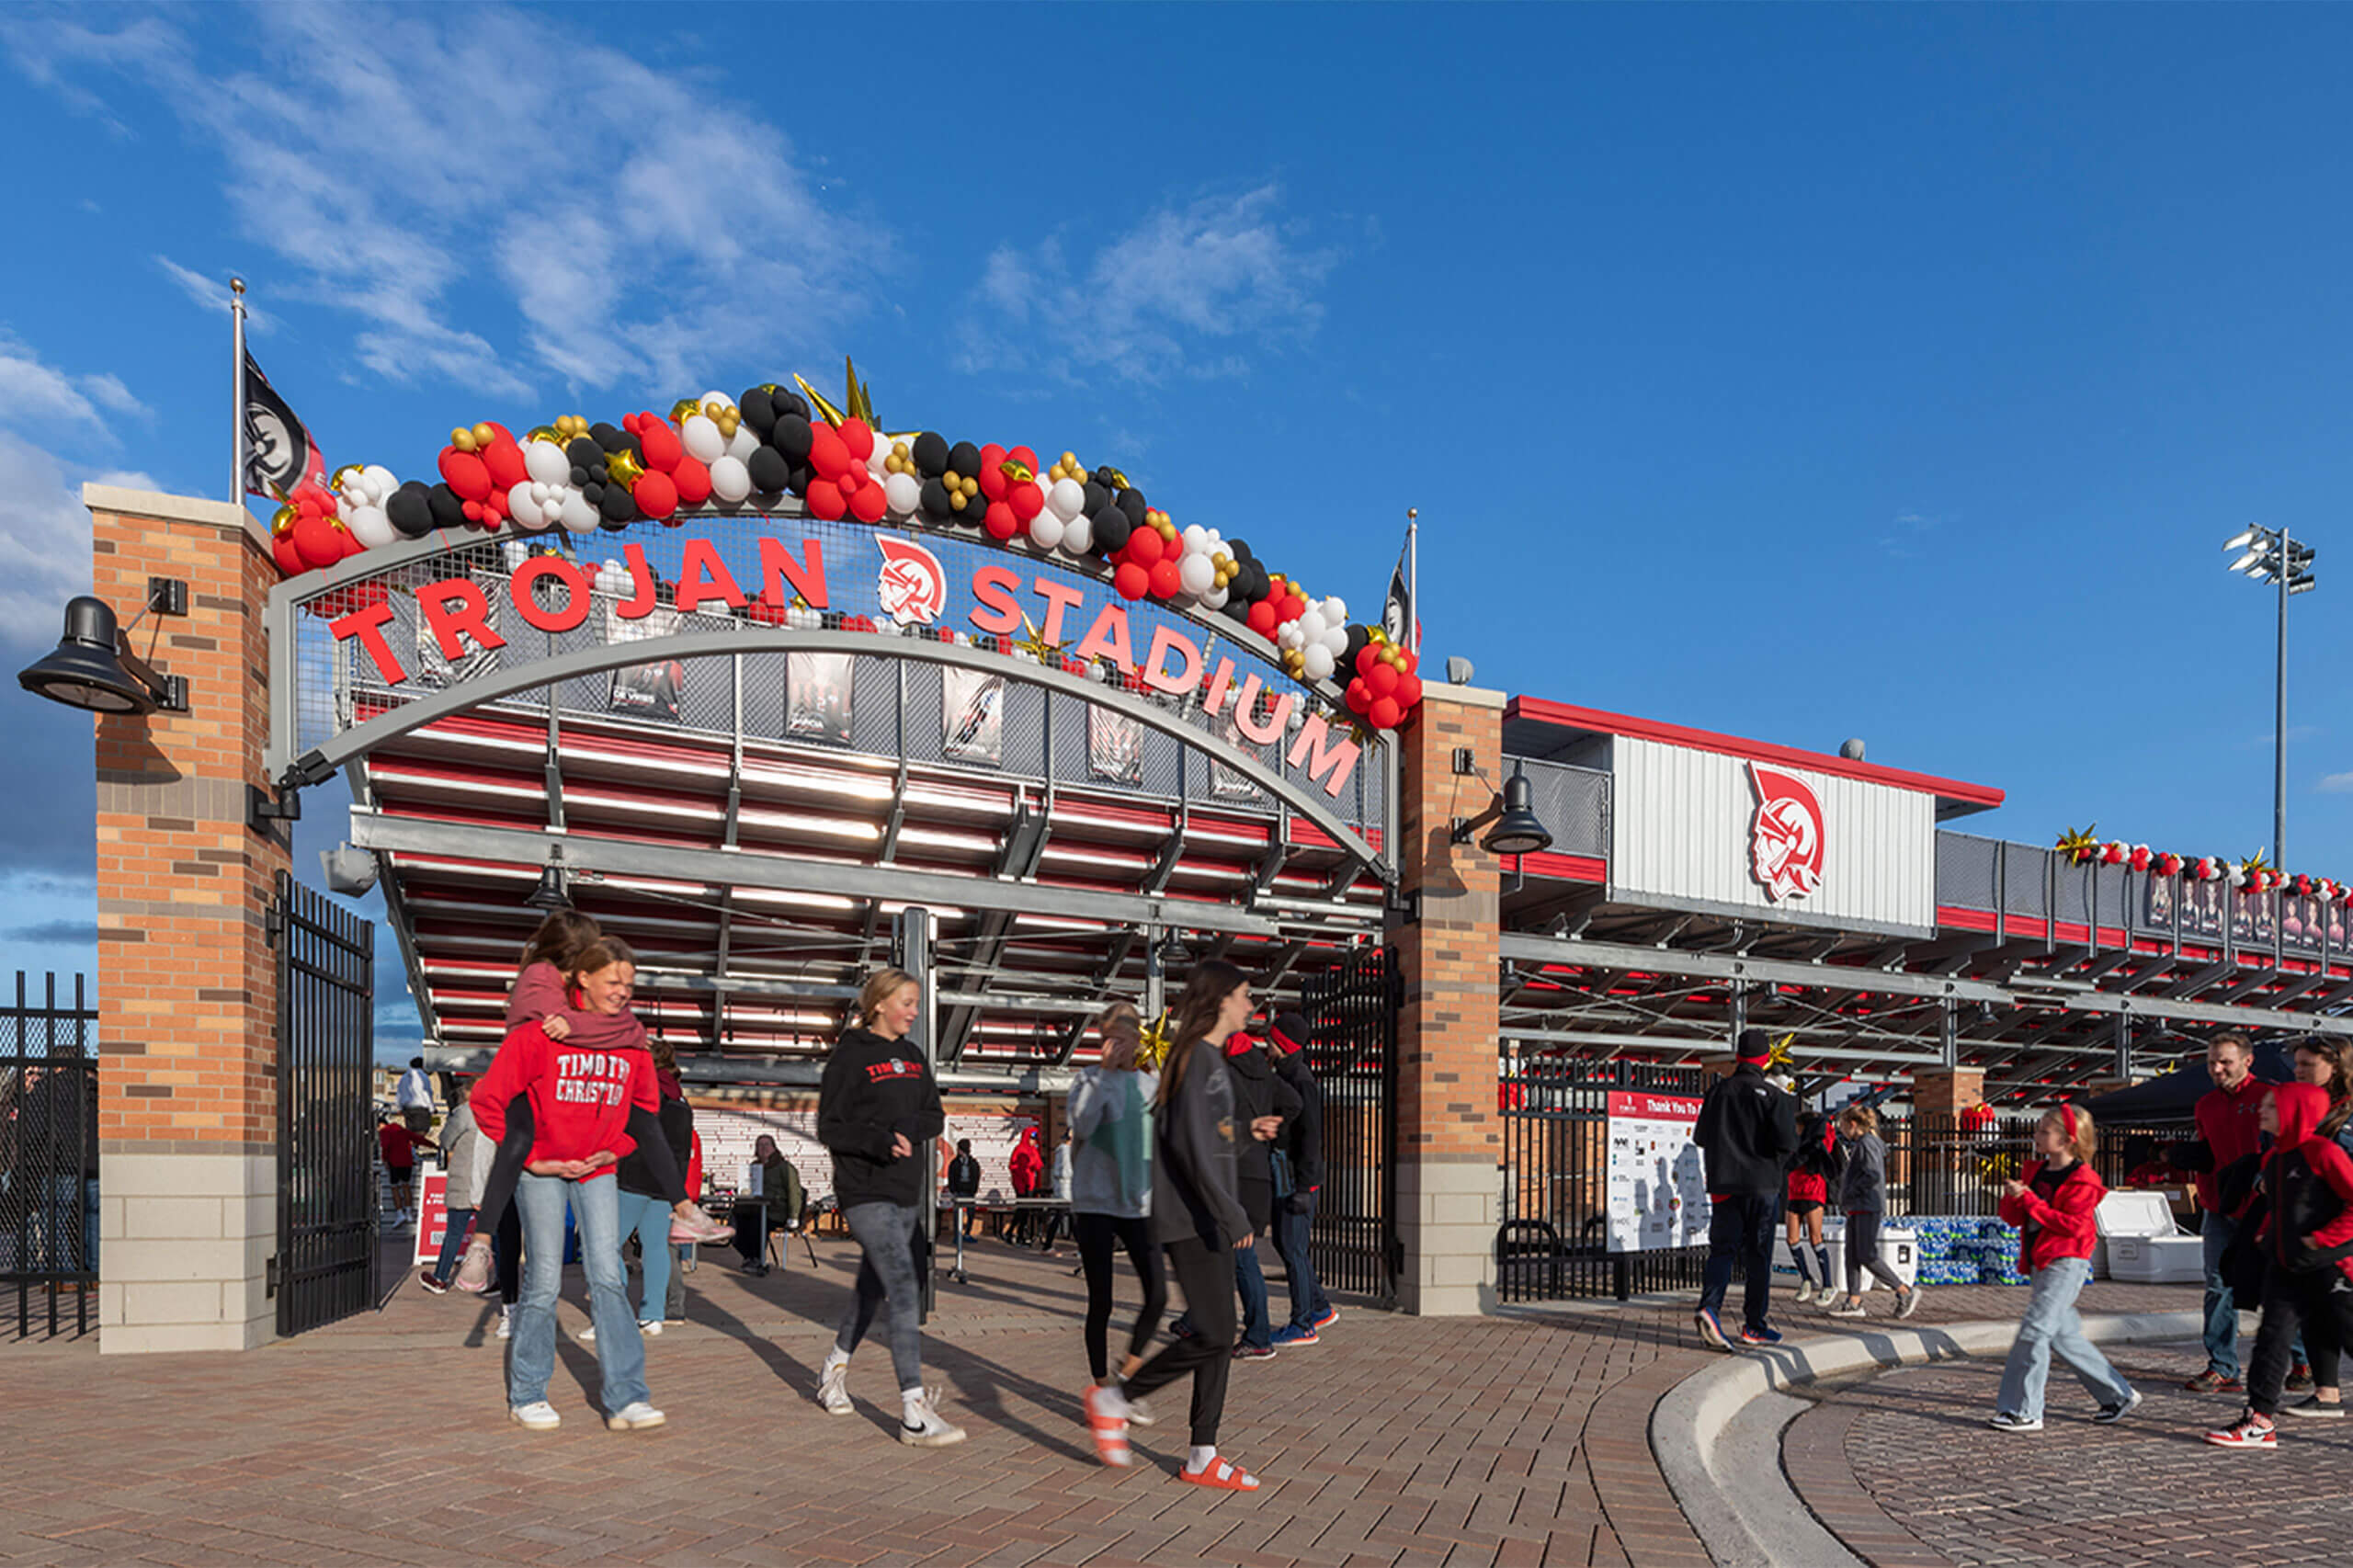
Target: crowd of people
x=1181 y=1166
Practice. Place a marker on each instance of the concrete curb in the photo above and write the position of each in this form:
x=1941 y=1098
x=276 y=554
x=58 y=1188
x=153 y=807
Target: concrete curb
x=1770 y=1525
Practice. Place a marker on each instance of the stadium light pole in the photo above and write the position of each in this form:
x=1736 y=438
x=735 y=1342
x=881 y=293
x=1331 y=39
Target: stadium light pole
x=2271 y=557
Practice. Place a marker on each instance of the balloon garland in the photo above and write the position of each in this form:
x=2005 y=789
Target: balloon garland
x=714 y=454
x=2250 y=875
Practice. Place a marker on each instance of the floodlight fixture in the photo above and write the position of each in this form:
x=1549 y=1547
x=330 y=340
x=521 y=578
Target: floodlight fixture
x=93 y=667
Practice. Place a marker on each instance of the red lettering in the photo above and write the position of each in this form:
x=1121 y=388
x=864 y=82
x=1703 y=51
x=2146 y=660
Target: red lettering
x=1165 y=641
x=1058 y=596
x=1219 y=684
x=703 y=576
x=1340 y=760
x=995 y=587
x=1107 y=638
x=1245 y=709
x=641 y=601
x=778 y=567
x=575 y=592
x=367 y=625
x=455 y=605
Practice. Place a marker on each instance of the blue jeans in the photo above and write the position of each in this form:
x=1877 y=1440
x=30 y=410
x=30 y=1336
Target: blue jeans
x=887 y=1237
x=1307 y=1299
x=1251 y=1280
x=453 y=1243
x=2051 y=1325
x=620 y=1350
x=648 y=1219
x=2222 y=1311
x=1741 y=1225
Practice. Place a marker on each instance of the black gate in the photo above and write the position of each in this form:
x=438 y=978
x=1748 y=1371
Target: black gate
x=1553 y=1244
x=325 y=1267
x=49 y=1156
x=1351 y=1012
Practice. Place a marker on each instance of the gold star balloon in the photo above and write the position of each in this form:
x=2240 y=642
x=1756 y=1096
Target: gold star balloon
x=1035 y=644
x=1155 y=1042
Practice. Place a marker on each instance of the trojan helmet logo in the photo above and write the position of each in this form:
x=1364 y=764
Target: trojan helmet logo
x=1785 y=841
x=912 y=587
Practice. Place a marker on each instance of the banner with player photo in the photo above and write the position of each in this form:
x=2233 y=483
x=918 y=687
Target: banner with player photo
x=1114 y=745
x=972 y=716
x=652 y=689
x=818 y=692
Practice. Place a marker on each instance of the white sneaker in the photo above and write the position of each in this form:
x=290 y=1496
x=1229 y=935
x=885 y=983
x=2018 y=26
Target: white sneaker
x=506 y=1322
x=1805 y=1292
x=832 y=1391
x=922 y=1427
x=1846 y=1312
x=537 y=1417
x=587 y=1335
x=634 y=1416
x=1139 y=1413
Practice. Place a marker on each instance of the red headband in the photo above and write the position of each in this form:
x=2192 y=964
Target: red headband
x=2068 y=1119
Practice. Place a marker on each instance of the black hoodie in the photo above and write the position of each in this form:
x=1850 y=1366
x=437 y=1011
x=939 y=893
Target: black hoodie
x=1256 y=1093
x=875 y=1089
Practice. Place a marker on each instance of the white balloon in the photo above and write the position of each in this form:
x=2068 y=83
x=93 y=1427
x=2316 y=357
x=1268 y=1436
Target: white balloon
x=1079 y=534
x=1287 y=635
x=521 y=505
x=575 y=514
x=701 y=438
x=1196 y=540
x=1310 y=626
x=546 y=462
x=1197 y=572
x=718 y=397
x=902 y=493
x=612 y=578
x=1215 y=598
x=729 y=480
x=381 y=483
x=1317 y=660
x=743 y=443
x=1066 y=499
x=1336 y=638
x=371 y=528
x=1335 y=611
x=1046 y=531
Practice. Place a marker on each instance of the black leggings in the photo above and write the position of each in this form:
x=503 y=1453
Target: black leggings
x=1096 y=1235
x=1206 y=1275
x=506 y=1241
x=515 y=1152
x=2319 y=1302
x=1862 y=1255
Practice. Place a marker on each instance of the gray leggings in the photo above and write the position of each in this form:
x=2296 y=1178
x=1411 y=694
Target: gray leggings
x=1862 y=1254
x=886 y=1234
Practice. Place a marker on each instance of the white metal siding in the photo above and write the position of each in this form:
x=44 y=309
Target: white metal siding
x=1682 y=820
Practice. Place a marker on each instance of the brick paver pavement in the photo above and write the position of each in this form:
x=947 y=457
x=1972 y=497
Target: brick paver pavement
x=1515 y=1441
x=1904 y=1470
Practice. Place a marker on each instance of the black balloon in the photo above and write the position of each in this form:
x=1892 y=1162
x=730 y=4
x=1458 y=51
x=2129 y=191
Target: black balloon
x=616 y=507
x=584 y=453
x=930 y=452
x=593 y=493
x=1108 y=478
x=965 y=458
x=611 y=438
x=448 y=509
x=1131 y=502
x=935 y=502
x=411 y=509
x=1239 y=548
x=1097 y=497
x=798 y=481
x=791 y=437
x=757 y=411
x=1235 y=608
x=1111 y=531
x=789 y=403
x=1359 y=640
x=770 y=472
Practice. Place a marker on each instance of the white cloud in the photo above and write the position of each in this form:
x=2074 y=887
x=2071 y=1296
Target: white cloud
x=35 y=393
x=109 y=392
x=212 y=294
x=433 y=167
x=2337 y=784
x=44 y=544
x=1193 y=290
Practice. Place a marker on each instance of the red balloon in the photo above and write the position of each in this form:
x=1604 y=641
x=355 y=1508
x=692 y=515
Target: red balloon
x=1292 y=608
x=1383 y=681
x=1360 y=697
x=1413 y=661
x=1367 y=656
x=993 y=484
x=1146 y=547
x=1166 y=582
x=351 y=545
x=1027 y=500
x=858 y=437
x=654 y=494
x=281 y=549
x=318 y=541
x=866 y=503
x=1262 y=619
x=503 y=459
x=1409 y=691
x=465 y=474
x=1025 y=457
x=826 y=500
x=693 y=479
x=1383 y=714
x=1131 y=581
x=1001 y=522
x=827 y=455
x=659 y=439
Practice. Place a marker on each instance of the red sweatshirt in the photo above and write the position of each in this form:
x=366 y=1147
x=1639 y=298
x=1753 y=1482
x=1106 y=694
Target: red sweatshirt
x=2059 y=1226
x=2227 y=1123
x=539 y=991
x=2303 y=1161
x=580 y=1099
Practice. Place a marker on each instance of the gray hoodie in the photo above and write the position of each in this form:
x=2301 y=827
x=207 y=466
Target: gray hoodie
x=1101 y=1100
x=1863 y=1189
x=466 y=1154
x=1196 y=1190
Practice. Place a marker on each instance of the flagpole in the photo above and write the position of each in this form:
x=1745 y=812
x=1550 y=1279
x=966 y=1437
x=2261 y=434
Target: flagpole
x=1412 y=582
x=237 y=392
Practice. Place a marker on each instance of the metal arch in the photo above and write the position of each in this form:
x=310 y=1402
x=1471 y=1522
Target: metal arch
x=319 y=763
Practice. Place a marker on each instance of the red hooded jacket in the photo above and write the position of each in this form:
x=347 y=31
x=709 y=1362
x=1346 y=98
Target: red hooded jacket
x=2061 y=1226
x=1027 y=1166
x=2308 y=1182
x=2227 y=1124
x=579 y=1098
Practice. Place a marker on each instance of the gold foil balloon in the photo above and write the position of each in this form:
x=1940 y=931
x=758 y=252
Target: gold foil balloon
x=624 y=468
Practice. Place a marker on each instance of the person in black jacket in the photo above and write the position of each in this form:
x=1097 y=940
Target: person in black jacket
x=964 y=1183
x=1303 y=1150
x=1266 y=1105
x=1197 y=1213
x=1747 y=1130
x=879 y=1114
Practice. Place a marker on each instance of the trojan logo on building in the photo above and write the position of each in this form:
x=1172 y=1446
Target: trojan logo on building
x=1785 y=837
x=913 y=587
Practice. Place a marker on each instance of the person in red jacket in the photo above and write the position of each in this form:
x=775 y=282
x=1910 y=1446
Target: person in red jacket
x=2303 y=1215
x=581 y=1102
x=1808 y=1194
x=2052 y=1204
x=2227 y=1133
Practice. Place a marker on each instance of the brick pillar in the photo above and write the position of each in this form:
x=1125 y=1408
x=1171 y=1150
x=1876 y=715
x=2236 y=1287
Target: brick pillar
x=1946 y=1091
x=1450 y=1184
x=188 y=1093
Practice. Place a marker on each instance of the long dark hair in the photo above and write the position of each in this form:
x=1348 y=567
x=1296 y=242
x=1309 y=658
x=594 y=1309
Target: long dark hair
x=561 y=934
x=2340 y=1085
x=1206 y=990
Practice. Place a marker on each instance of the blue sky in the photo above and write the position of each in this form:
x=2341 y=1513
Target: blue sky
x=1802 y=372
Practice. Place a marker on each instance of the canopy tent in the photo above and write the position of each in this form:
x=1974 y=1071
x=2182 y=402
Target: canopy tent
x=2175 y=1096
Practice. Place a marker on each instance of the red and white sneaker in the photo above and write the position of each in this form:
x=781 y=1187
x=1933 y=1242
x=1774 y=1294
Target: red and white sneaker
x=2249 y=1431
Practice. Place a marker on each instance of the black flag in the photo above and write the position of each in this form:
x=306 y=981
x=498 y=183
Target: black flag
x=279 y=453
x=1397 y=615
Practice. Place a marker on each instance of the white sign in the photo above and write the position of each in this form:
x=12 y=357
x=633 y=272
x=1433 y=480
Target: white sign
x=1657 y=1185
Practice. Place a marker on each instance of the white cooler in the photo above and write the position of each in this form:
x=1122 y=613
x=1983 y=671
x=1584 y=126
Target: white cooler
x=1899 y=1248
x=2140 y=1242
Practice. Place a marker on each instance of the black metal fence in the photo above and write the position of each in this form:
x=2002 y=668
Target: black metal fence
x=1351 y=1012
x=1942 y=1164
x=326 y=1264
x=49 y=1156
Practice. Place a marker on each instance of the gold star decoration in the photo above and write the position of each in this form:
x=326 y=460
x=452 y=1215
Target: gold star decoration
x=1036 y=647
x=623 y=467
x=1779 y=1056
x=1155 y=1042
x=1995 y=1169
x=2078 y=847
